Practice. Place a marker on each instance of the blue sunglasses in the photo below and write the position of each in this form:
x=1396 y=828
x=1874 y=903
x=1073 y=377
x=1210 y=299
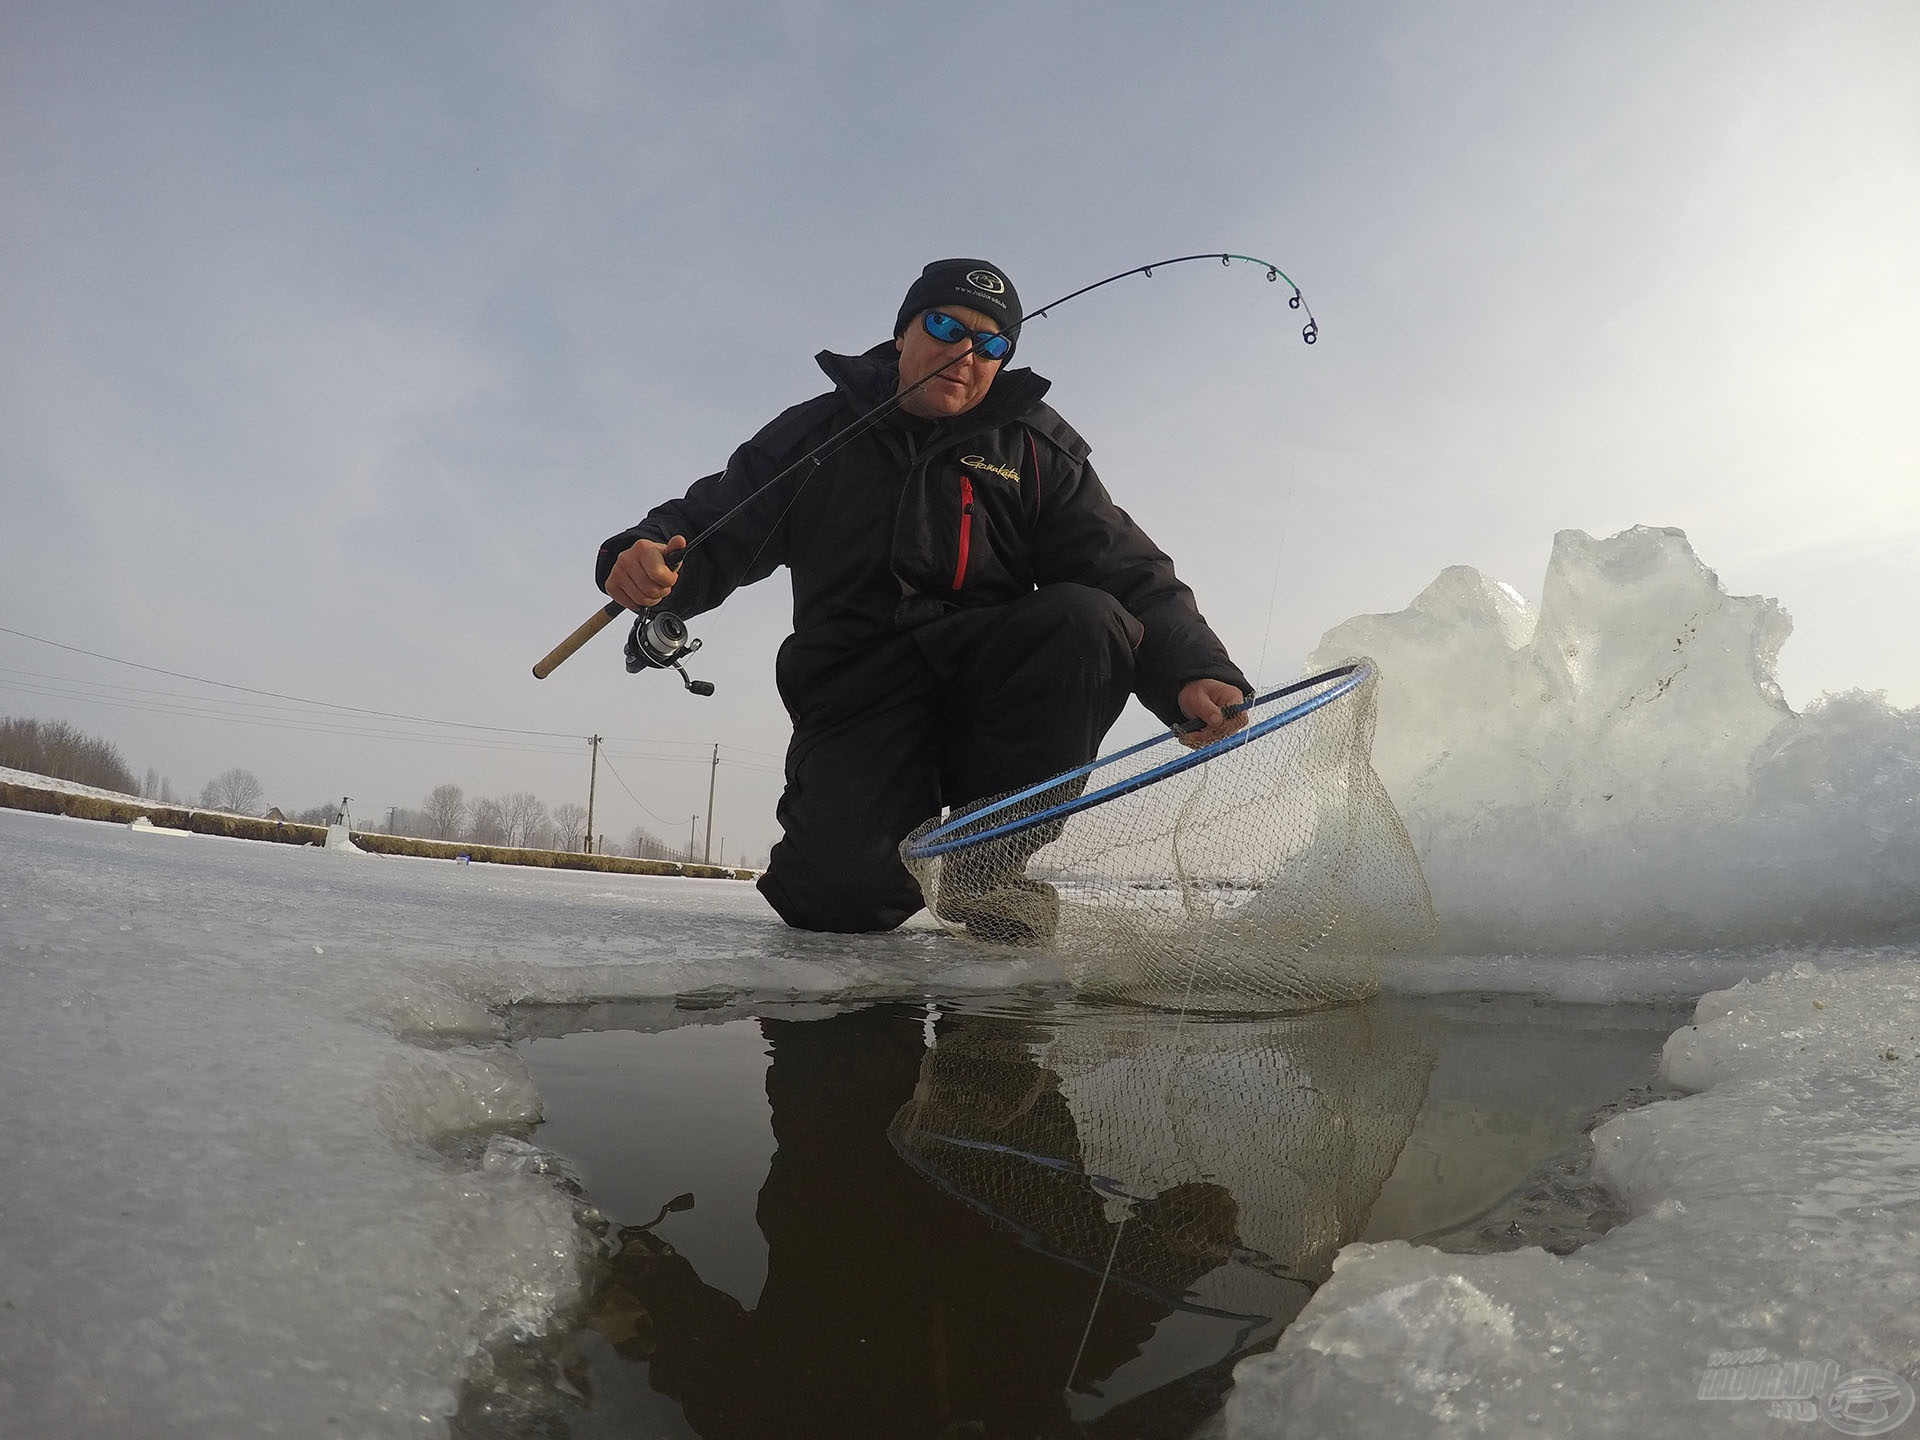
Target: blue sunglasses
x=944 y=328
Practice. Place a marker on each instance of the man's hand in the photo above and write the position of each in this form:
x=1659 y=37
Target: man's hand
x=1205 y=701
x=641 y=576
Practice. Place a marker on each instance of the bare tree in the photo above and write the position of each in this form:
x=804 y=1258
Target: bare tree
x=643 y=844
x=445 y=811
x=569 y=824
x=487 y=823
x=524 y=815
x=236 y=790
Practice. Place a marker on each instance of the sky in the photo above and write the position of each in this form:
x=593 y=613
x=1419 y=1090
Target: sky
x=335 y=338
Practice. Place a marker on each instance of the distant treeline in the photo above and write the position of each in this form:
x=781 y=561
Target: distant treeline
x=53 y=747
x=57 y=749
x=522 y=819
x=519 y=820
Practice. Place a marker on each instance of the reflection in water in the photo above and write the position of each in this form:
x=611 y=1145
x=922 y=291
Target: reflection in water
x=1089 y=1180
x=1232 y=1158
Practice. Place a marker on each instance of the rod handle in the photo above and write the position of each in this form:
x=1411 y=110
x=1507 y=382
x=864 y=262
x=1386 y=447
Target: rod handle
x=593 y=625
x=589 y=628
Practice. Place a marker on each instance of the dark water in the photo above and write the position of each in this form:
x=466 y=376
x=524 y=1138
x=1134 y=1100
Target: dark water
x=1021 y=1219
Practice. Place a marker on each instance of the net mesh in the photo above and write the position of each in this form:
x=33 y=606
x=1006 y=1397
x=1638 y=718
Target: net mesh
x=1216 y=1165
x=1268 y=871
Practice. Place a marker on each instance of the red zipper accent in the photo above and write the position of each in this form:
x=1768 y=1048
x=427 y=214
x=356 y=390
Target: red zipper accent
x=1033 y=452
x=966 y=530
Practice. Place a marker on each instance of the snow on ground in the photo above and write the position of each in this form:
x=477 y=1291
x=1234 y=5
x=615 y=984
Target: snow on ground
x=1776 y=1223
x=73 y=787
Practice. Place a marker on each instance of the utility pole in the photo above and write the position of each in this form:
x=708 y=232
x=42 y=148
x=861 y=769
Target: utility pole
x=691 y=824
x=593 y=775
x=713 y=771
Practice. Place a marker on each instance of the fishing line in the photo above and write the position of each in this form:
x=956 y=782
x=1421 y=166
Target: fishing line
x=1093 y=1311
x=1105 y=1275
x=641 y=656
x=1310 y=332
x=1010 y=816
x=1273 y=594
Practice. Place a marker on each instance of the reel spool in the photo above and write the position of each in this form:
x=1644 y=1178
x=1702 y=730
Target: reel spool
x=659 y=641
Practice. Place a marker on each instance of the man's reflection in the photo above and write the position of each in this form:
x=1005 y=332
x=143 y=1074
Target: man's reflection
x=897 y=1307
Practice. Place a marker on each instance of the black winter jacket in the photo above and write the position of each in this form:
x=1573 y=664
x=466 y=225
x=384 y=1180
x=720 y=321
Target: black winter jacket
x=916 y=520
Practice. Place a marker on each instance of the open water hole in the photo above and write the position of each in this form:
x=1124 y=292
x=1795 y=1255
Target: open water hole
x=1024 y=1217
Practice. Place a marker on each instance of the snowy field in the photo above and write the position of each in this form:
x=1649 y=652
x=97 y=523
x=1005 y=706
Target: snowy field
x=248 y=1088
x=74 y=787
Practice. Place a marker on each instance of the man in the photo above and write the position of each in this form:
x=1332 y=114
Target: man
x=970 y=608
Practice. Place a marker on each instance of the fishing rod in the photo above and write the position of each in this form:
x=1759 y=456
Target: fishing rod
x=659 y=638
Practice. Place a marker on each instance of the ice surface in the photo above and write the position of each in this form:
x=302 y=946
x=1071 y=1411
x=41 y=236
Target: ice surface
x=1617 y=771
x=1777 y=1210
x=242 y=1092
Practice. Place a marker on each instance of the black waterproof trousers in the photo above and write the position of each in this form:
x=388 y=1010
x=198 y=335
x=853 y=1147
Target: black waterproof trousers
x=978 y=703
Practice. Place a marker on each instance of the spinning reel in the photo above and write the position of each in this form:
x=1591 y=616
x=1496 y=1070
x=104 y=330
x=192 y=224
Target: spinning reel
x=659 y=641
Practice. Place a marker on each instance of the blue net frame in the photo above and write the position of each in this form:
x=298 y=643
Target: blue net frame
x=1267 y=870
x=969 y=827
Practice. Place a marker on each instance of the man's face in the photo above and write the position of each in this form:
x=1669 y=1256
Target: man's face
x=954 y=391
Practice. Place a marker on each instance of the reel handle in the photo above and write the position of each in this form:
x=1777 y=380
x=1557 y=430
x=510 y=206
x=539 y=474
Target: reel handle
x=592 y=626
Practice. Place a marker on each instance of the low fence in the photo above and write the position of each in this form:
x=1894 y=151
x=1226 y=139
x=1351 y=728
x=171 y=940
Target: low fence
x=286 y=832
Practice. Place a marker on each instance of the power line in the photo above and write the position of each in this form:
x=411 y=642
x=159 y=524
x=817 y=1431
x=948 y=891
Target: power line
x=105 y=692
x=277 y=695
x=701 y=745
x=695 y=760
x=268 y=722
x=630 y=795
x=280 y=717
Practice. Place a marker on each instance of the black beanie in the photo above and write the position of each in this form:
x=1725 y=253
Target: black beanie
x=972 y=283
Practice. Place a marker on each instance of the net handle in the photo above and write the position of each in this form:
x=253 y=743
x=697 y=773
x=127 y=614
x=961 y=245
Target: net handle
x=942 y=839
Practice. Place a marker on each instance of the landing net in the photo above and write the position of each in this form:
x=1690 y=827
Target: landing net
x=1214 y=1166
x=1266 y=871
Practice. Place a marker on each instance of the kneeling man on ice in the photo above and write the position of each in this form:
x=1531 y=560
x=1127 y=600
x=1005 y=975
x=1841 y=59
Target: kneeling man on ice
x=970 y=608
